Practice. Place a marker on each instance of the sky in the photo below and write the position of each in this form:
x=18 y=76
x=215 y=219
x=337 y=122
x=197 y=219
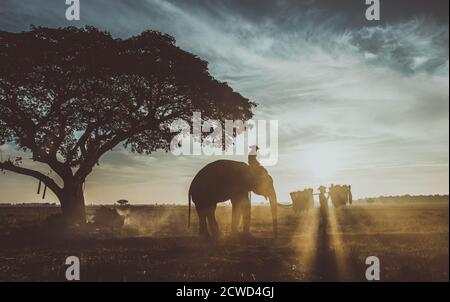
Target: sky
x=357 y=102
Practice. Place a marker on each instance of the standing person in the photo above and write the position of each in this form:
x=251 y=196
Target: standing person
x=332 y=194
x=350 y=196
x=323 y=201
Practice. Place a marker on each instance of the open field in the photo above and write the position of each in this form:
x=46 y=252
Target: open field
x=411 y=241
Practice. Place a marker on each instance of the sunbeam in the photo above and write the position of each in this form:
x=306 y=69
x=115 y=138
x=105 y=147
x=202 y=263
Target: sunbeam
x=305 y=241
x=337 y=245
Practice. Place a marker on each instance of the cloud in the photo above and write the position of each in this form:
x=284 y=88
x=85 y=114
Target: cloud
x=415 y=46
x=377 y=93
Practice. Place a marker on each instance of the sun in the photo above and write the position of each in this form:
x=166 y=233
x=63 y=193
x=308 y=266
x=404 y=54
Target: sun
x=322 y=161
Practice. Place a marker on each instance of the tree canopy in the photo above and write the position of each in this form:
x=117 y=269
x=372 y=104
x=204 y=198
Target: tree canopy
x=69 y=95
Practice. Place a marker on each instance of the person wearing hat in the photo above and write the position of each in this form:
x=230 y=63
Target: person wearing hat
x=323 y=207
x=252 y=161
x=332 y=194
x=322 y=199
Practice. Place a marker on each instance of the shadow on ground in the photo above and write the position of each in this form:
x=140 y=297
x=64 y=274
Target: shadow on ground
x=410 y=245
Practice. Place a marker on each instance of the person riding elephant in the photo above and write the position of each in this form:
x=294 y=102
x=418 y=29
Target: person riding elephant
x=224 y=180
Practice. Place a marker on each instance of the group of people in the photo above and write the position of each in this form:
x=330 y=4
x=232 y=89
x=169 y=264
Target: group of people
x=340 y=195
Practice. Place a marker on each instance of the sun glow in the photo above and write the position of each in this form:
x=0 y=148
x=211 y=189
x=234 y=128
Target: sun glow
x=322 y=161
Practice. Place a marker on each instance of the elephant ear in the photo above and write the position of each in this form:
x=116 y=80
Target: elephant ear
x=260 y=176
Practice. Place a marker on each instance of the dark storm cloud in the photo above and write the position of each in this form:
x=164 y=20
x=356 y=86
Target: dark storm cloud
x=347 y=14
x=381 y=42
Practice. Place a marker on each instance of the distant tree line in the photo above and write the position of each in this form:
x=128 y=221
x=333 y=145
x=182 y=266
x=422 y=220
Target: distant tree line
x=405 y=199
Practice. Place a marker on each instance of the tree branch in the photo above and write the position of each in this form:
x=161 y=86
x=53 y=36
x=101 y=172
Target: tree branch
x=49 y=182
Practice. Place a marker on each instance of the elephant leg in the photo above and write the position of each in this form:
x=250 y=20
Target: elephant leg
x=213 y=222
x=246 y=209
x=203 y=230
x=235 y=216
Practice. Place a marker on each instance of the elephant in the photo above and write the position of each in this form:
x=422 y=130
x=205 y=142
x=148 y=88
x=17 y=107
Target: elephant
x=224 y=180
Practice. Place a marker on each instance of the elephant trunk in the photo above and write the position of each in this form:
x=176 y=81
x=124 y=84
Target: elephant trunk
x=273 y=206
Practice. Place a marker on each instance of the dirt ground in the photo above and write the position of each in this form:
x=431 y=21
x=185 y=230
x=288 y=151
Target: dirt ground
x=411 y=241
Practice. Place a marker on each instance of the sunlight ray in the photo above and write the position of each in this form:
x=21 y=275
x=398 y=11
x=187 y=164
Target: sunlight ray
x=337 y=245
x=305 y=240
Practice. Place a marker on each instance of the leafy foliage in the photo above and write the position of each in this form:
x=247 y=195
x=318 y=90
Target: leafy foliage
x=69 y=95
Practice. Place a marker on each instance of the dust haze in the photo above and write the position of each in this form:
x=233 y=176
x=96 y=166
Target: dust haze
x=410 y=236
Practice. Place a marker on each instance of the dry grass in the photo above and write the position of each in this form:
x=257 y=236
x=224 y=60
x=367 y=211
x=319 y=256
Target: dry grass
x=411 y=242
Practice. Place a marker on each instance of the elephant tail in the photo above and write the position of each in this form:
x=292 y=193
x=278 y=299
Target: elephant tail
x=189 y=208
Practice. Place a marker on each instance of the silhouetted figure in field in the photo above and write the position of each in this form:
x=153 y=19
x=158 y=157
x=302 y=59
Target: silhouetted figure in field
x=350 y=196
x=332 y=194
x=323 y=201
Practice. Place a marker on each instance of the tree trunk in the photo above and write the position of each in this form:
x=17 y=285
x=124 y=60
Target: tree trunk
x=72 y=204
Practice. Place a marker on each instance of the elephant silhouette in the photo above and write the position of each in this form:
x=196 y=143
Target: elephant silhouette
x=224 y=180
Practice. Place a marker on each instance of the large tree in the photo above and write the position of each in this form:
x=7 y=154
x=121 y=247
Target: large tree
x=69 y=95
